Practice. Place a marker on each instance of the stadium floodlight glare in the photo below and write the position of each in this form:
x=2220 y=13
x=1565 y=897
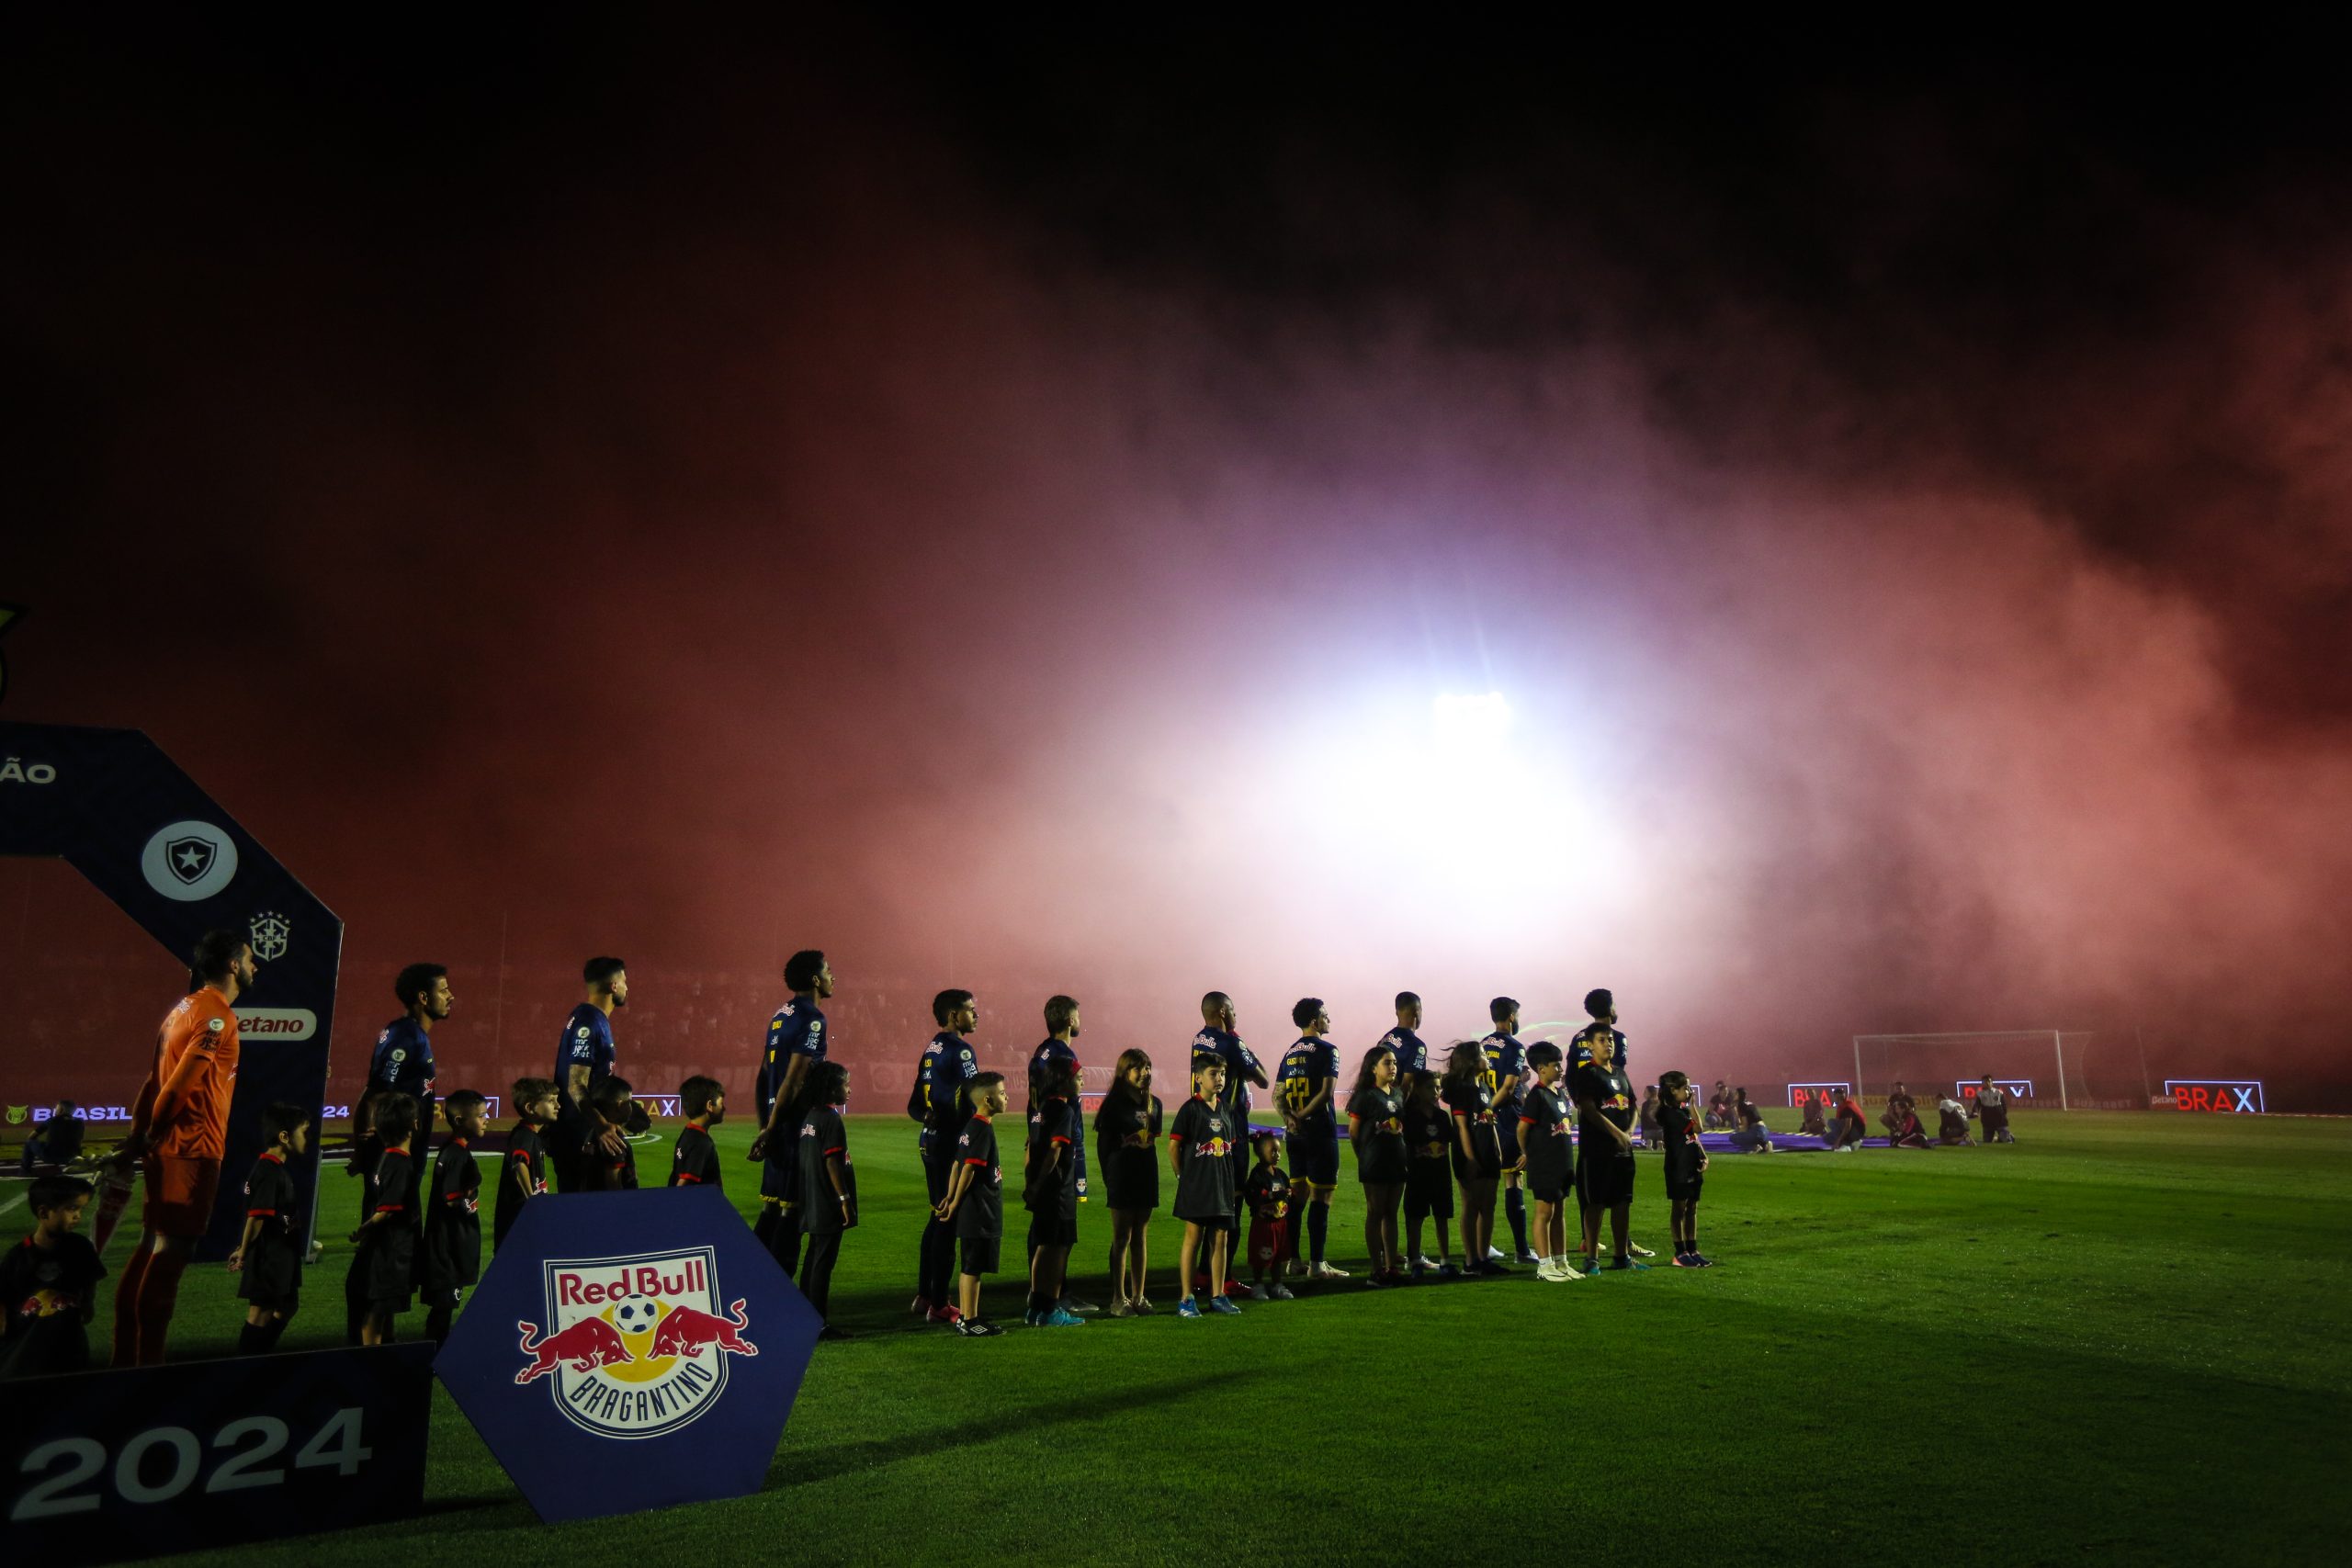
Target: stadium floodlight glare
x=1468 y=724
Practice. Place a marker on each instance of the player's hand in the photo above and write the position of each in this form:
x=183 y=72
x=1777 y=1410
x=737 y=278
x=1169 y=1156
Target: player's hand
x=758 y=1146
x=237 y=1260
x=849 y=1216
x=612 y=1143
x=1520 y=1164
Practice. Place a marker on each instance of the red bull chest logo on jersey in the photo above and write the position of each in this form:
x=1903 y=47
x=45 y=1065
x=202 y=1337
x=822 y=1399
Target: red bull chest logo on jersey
x=633 y=1346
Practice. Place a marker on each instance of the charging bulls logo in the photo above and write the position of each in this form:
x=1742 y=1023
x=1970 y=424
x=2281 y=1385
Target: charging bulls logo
x=636 y=1346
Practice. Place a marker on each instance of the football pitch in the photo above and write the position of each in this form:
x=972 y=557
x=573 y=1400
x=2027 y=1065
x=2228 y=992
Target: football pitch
x=2125 y=1337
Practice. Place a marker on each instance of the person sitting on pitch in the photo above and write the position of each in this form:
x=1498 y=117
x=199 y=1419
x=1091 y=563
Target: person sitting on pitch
x=1817 y=1116
x=1645 y=1128
x=1847 y=1135
x=1903 y=1129
x=1751 y=1136
x=1899 y=1105
x=1951 y=1121
x=1992 y=1108
x=1718 y=1114
x=57 y=1140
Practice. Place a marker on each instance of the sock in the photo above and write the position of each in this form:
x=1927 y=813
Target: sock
x=1318 y=1227
x=253 y=1339
x=436 y=1326
x=126 y=1308
x=159 y=1293
x=1515 y=1211
x=764 y=1226
x=275 y=1330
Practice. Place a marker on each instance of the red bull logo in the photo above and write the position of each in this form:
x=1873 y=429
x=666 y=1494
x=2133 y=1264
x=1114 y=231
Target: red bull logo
x=635 y=1347
x=1216 y=1149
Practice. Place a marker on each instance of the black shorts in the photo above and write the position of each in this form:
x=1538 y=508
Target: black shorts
x=1605 y=1180
x=1682 y=1183
x=431 y=1296
x=1051 y=1227
x=1381 y=1162
x=1314 y=1157
x=978 y=1253
x=1550 y=1184
x=1429 y=1188
x=1209 y=1221
x=1131 y=1180
x=1489 y=1163
x=780 y=1179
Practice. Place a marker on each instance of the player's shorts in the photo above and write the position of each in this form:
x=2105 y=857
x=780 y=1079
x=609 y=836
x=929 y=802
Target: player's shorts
x=179 y=1195
x=271 y=1279
x=1129 y=1184
x=978 y=1254
x=1603 y=1181
x=1429 y=1188
x=1270 y=1242
x=431 y=1296
x=1051 y=1227
x=1550 y=1185
x=1683 y=1181
x=780 y=1179
x=1209 y=1221
x=1507 y=1132
x=1314 y=1157
x=1488 y=1164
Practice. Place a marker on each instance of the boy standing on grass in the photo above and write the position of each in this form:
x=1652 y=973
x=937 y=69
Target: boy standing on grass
x=1200 y=1145
x=695 y=1161
x=974 y=1205
x=827 y=1188
x=1604 y=1097
x=377 y=1287
x=525 y=1176
x=1267 y=1196
x=1429 y=1177
x=268 y=1260
x=1685 y=1167
x=1546 y=1161
x=1050 y=1190
x=48 y=1285
x=601 y=1170
x=452 y=1255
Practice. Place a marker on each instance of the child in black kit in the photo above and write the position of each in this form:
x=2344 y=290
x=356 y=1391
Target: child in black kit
x=827 y=1188
x=1200 y=1145
x=452 y=1257
x=1376 y=1128
x=268 y=1258
x=695 y=1162
x=525 y=1176
x=1429 y=1178
x=974 y=1201
x=1546 y=1161
x=1049 y=1191
x=48 y=1285
x=599 y=1171
x=377 y=1289
x=1266 y=1194
x=1685 y=1167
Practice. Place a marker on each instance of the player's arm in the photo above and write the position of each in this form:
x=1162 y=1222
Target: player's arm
x=518 y=1164
x=246 y=1239
x=957 y=1180
x=172 y=1097
x=1357 y=1128
x=1317 y=1100
x=795 y=1067
x=1176 y=1149
x=575 y=1087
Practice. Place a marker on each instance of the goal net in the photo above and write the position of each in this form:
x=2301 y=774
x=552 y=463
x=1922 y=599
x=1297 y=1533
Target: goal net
x=2042 y=1067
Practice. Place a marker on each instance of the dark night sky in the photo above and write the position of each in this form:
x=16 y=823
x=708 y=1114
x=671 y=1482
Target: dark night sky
x=1001 y=507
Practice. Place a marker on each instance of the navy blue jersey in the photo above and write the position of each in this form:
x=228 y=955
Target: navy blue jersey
x=1308 y=1065
x=797 y=1028
x=1239 y=1063
x=1506 y=1064
x=587 y=1043
x=1049 y=1050
x=937 y=1101
x=1580 y=1048
x=1412 y=1051
x=402 y=1062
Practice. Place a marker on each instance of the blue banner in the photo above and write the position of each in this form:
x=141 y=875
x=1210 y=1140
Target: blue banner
x=105 y=1465
x=630 y=1350
x=114 y=807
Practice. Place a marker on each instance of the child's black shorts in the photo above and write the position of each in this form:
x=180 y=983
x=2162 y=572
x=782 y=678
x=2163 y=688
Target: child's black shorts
x=1051 y=1227
x=1489 y=1163
x=1548 y=1189
x=271 y=1279
x=1682 y=1185
x=1429 y=1188
x=1603 y=1181
x=1209 y=1221
x=979 y=1254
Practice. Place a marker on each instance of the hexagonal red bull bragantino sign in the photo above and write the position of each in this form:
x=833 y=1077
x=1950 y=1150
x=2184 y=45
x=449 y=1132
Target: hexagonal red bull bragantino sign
x=630 y=1350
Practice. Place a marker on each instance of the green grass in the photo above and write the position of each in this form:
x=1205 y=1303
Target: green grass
x=2125 y=1335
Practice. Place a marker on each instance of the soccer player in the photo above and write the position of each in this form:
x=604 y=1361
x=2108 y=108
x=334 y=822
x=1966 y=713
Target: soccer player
x=1506 y=1063
x=1685 y=1167
x=584 y=1060
x=827 y=1185
x=49 y=1284
x=1601 y=1006
x=695 y=1161
x=401 y=1063
x=1604 y=1098
x=1428 y=1184
x=451 y=1257
x=1376 y=1128
x=1266 y=1194
x=1049 y=1190
x=973 y=1204
x=1545 y=1160
x=942 y=1078
x=1241 y=1071
x=601 y=1170
x=268 y=1258
x=180 y=1125
x=1413 y=1062
x=383 y=1264
x=1467 y=1093
x=796 y=1047
x=1308 y=1086
x=1992 y=1109
x=1061 y=1029
x=1200 y=1151
x=526 y=1156
x=1126 y=1147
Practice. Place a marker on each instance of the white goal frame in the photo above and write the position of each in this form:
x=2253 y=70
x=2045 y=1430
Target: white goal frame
x=2057 y=1048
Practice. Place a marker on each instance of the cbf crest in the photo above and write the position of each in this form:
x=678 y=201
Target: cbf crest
x=270 y=931
x=634 y=1347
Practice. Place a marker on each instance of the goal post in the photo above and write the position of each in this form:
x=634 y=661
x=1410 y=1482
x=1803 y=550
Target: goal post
x=2030 y=1064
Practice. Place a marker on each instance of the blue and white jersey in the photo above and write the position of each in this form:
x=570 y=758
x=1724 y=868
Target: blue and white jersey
x=1506 y=1066
x=1412 y=1054
x=937 y=1102
x=402 y=1061
x=1049 y=1050
x=1239 y=1064
x=797 y=1028
x=587 y=1041
x=1308 y=1060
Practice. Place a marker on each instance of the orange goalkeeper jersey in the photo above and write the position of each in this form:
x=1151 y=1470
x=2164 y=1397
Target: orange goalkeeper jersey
x=200 y=1032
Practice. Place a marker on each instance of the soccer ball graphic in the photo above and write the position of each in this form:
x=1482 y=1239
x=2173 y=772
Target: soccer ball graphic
x=636 y=1315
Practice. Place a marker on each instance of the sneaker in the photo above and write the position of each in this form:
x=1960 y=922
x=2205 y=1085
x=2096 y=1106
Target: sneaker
x=1588 y=1267
x=1080 y=1308
x=1397 y=1276
x=1549 y=1272
x=1423 y=1263
x=1701 y=1260
x=1421 y=1271
x=1447 y=1270
x=1491 y=1267
x=1298 y=1269
x=1029 y=1318
x=1627 y=1266
x=1120 y=1309
x=1283 y=1293
x=1188 y=1307
x=1258 y=1294
x=1568 y=1269
x=1223 y=1306
x=923 y=1307
x=1494 y=1255
x=830 y=1332
x=1058 y=1318
x=1638 y=1250
x=1376 y=1282
x=948 y=1316
x=1526 y=1255
x=976 y=1328
x=1143 y=1306
x=1326 y=1271
x=1232 y=1289
x=1688 y=1260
